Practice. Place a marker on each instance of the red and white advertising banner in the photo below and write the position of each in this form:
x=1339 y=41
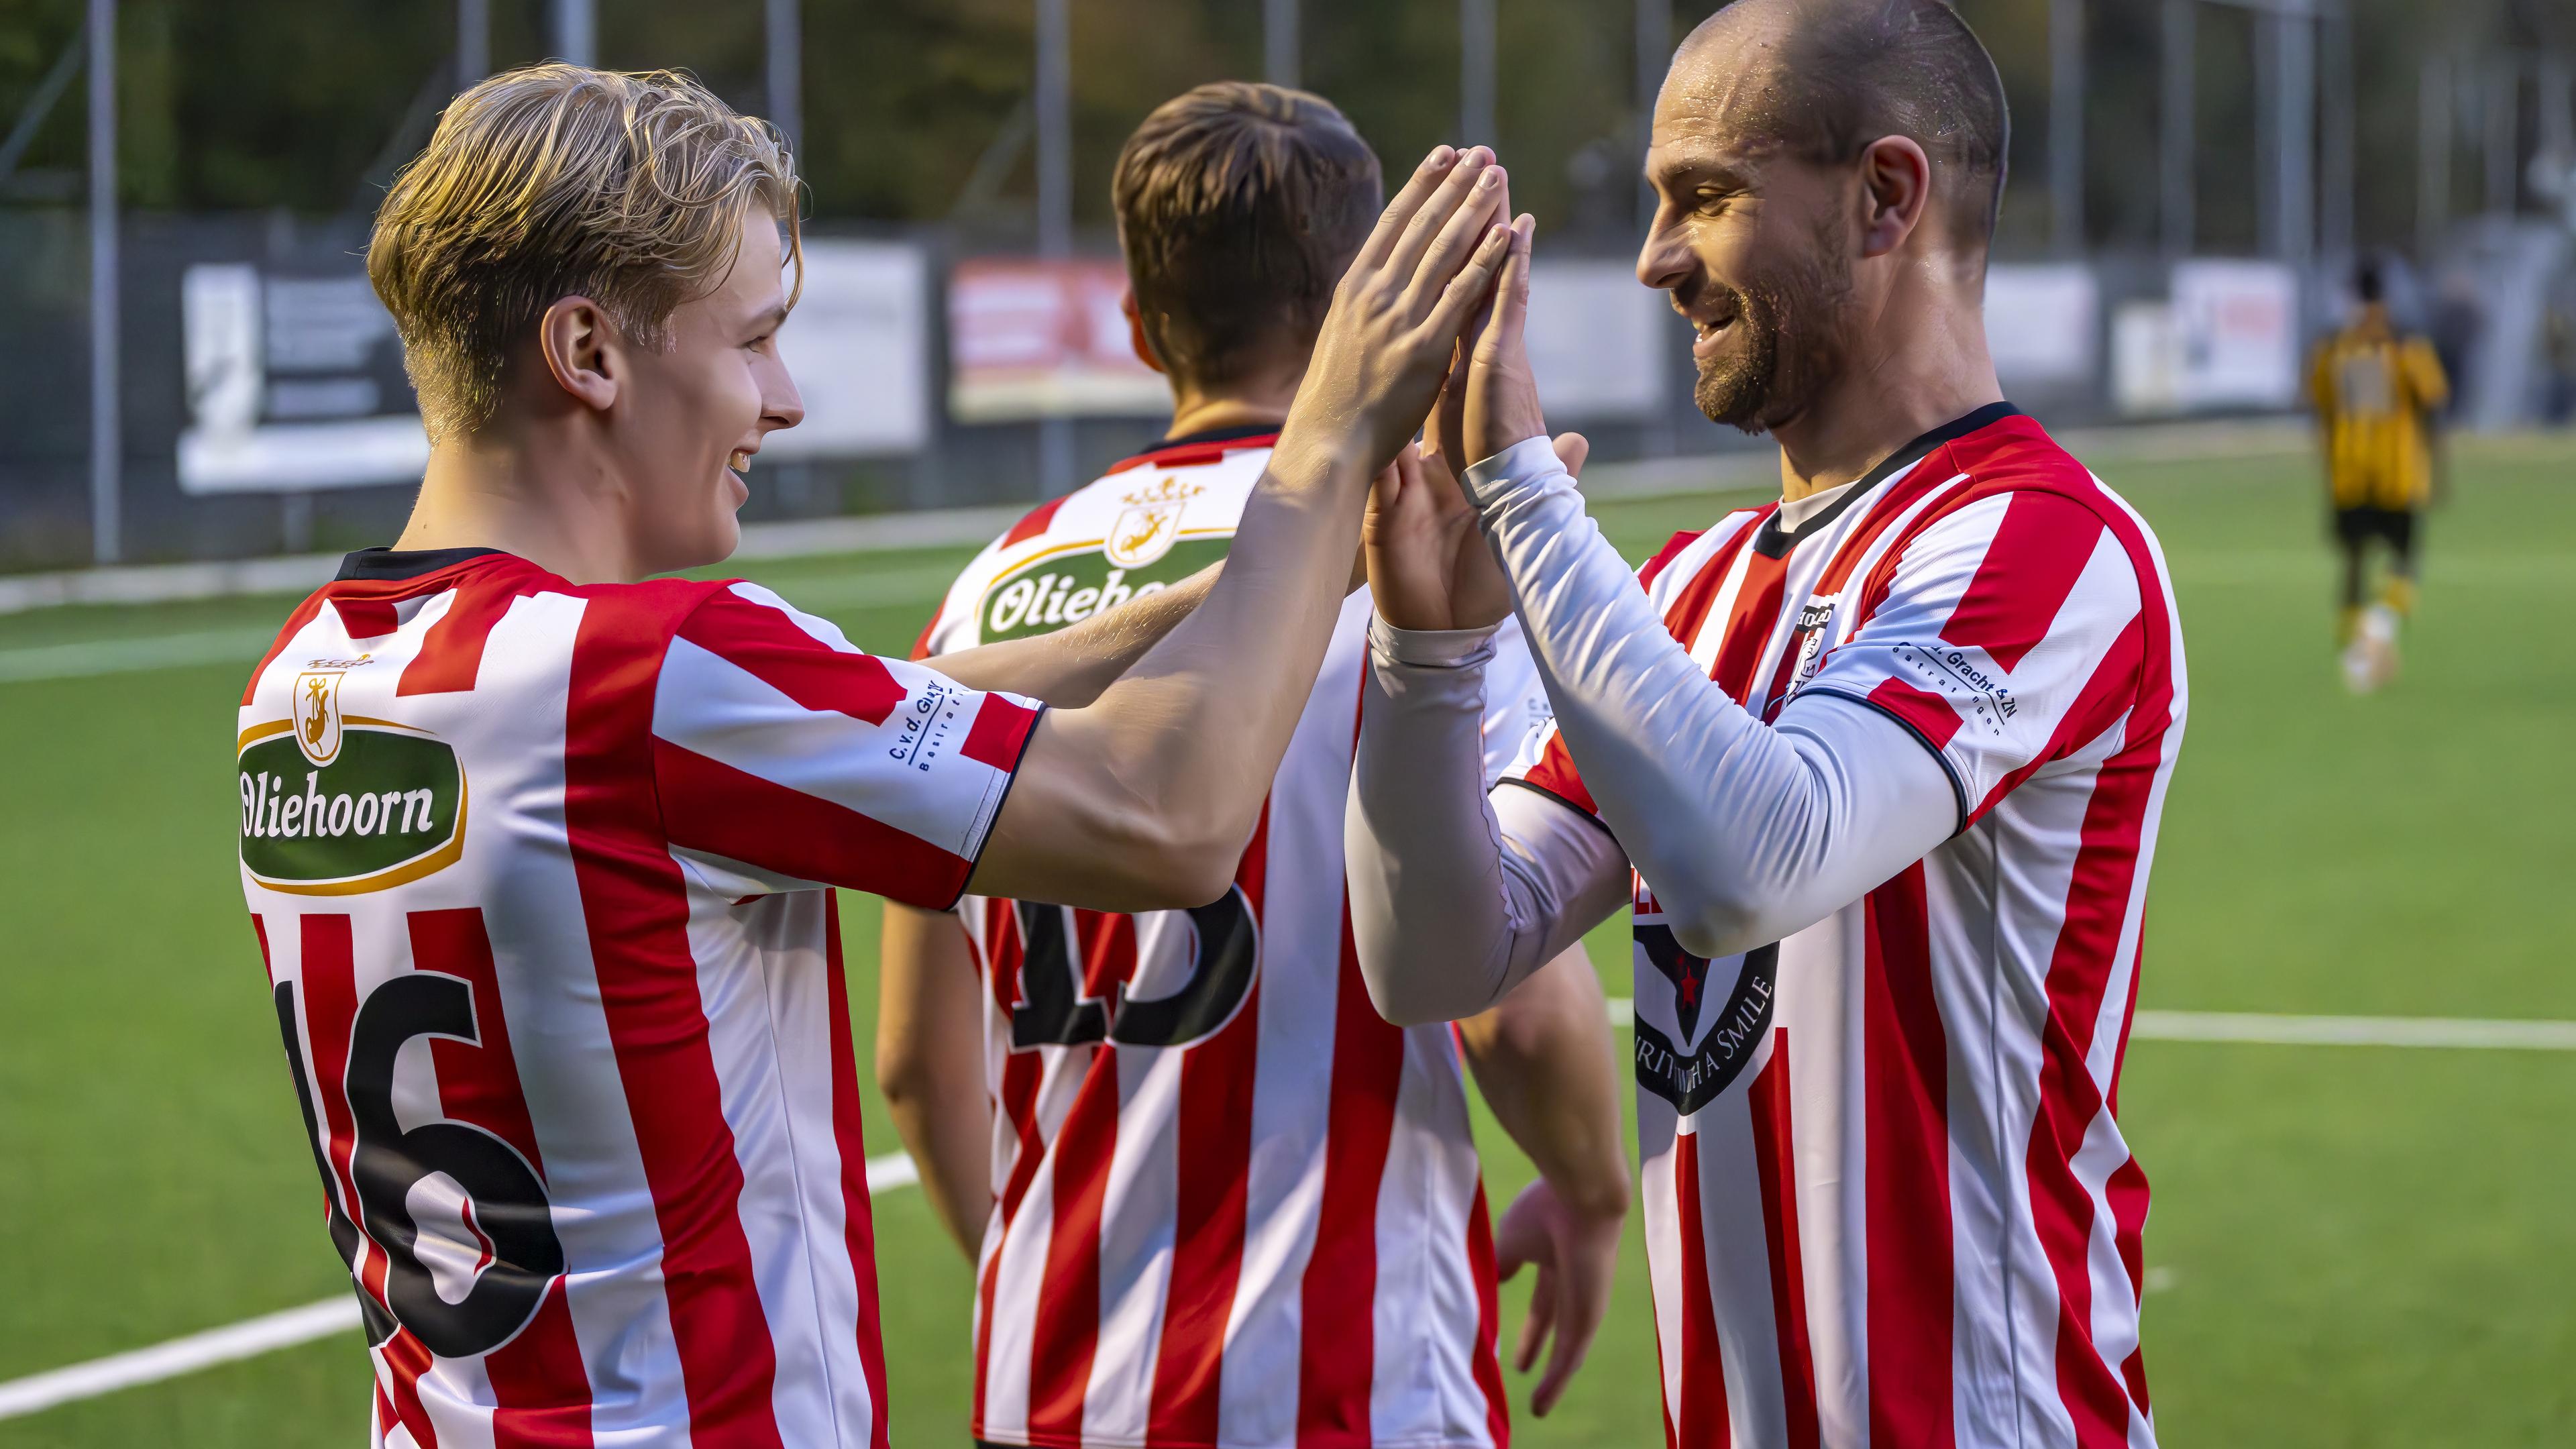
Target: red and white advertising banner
x=2238 y=326
x=1030 y=338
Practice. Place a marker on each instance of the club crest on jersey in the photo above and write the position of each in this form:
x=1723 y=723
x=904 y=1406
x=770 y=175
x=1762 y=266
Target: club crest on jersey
x=1715 y=1041
x=338 y=805
x=1142 y=534
x=317 y=715
x=1151 y=523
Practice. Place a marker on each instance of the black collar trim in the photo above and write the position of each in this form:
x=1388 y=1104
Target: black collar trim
x=1775 y=542
x=396 y=564
x=1212 y=435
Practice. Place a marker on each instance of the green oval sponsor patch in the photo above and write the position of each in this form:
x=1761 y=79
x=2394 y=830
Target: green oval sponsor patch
x=1067 y=588
x=388 y=808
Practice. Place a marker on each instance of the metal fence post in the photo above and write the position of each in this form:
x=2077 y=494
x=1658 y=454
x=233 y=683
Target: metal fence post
x=1279 y=37
x=784 y=77
x=576 y=31
x=2066 y=125
x=2296 y=93
x=106 y=416
x=473 y=41
x=2177 y=159
x=1054 y=98
x=1654 y=56
x=2432 y=155
x=1476 y=73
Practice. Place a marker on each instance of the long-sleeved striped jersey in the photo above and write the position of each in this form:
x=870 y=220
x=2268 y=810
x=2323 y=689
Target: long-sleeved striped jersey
x=1886 y=1194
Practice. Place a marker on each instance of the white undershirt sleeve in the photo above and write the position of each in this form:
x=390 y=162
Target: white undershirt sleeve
x=1744 y=832
x=1456 y=897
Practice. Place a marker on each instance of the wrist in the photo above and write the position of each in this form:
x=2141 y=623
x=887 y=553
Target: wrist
x=1430 y=648
x=1602 y=1202
x=1320 y=455
x=1524 y=464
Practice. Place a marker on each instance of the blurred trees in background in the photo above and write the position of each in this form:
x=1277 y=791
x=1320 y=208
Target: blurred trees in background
x=915 y=109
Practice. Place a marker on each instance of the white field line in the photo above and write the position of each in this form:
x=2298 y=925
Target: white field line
x=301 y=573
x=246 y=1339
x=81 y=659
x=2268 y=1029
x=857 y=589
x=255 y=1336
x=2265 y=1029
x=121 y=656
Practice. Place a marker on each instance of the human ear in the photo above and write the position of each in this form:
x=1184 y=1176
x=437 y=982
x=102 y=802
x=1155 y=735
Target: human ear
x=579 y=345
x=1143 y=349
x=1896 y=180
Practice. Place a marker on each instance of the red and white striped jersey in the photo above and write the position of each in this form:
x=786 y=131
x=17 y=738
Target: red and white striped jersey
x=1887 y=1200
x=539 y=872
x=1234 y=1206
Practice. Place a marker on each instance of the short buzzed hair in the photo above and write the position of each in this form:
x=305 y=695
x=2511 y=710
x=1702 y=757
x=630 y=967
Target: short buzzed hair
x=555 y=181
x=1239 y=207
x=1853 y=71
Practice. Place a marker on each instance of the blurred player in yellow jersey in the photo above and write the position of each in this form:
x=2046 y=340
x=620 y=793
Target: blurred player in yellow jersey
x=2378 y=393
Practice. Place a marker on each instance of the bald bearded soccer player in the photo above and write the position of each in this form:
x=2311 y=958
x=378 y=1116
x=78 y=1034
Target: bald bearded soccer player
x=1878 y=766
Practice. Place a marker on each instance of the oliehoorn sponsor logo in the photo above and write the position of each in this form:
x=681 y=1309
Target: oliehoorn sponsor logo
x=335 y=804
x=1067 y=587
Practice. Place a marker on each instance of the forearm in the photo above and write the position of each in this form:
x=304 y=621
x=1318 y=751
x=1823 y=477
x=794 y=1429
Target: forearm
x=1070 y=667
x=1545 y=1063
x=930 y=1066
x=1451 y=906
x=950 y=1138
x=1744 y=832
x=1145 y=798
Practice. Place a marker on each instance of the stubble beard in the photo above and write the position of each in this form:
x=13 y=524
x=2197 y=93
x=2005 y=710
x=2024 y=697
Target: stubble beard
x=1793 y=321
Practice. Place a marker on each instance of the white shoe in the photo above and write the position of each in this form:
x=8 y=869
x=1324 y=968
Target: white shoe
x=2371 y=660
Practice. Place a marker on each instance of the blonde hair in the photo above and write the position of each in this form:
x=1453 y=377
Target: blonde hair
x=557 y=180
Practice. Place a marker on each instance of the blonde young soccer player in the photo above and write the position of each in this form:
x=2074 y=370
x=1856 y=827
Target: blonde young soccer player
x=539 y=849
x=1214 y=1198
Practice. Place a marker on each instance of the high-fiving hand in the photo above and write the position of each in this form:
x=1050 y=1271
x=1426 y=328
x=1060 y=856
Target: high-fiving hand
x=1429 y=566
x=1499 y=406
x=1388 y=340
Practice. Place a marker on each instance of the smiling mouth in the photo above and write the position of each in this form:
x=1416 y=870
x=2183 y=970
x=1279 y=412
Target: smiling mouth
x=1707 y=328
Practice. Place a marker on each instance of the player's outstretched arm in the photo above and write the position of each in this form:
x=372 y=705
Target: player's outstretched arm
x=1745 y=832
x=1144 y=799
x=1454 y=898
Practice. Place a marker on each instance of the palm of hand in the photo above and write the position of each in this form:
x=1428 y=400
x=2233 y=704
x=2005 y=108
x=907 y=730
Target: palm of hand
x=1429 y=567
x=1399 y=309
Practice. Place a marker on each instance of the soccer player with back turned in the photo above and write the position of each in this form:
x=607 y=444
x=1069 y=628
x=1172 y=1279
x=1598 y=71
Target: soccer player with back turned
x=1214 y=1198
x=1878 y=767
x=2379 y=395
x=540 y=850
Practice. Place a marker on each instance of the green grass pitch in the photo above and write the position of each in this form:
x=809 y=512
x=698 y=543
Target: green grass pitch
x=2351 y=1246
